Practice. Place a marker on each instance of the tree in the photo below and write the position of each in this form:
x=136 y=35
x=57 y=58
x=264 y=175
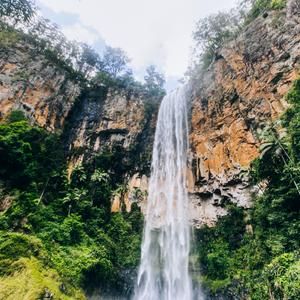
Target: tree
x=114 y=61
x=18 y=10
x=154 y=82
x=88 y=60
x=27 y=153
x=212 y=31
x=275 y=145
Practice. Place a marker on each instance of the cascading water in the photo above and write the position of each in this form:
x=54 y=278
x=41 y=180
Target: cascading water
x=163 y=272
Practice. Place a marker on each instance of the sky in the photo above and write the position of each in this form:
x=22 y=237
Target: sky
x=155 y=32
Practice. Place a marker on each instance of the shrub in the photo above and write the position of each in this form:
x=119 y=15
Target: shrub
x=32 y=280
x=278 y=4
x=16 y=116
x=15 y=245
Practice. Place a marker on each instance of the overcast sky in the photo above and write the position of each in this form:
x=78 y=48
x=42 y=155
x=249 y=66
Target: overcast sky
x=150 y=31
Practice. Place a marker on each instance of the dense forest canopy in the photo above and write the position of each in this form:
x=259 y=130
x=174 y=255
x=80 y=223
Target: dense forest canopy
x=58 y=224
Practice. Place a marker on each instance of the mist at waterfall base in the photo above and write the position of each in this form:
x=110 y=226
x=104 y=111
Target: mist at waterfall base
x=164 y=269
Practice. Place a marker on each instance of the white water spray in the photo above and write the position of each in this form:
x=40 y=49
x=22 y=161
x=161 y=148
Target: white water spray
x=163 y=272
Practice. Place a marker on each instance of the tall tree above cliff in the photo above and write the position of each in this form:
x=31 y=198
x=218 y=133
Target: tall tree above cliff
x=154 y=82
x=211 y=33
x=87 y=60
x=18 y=10
x=114 y=61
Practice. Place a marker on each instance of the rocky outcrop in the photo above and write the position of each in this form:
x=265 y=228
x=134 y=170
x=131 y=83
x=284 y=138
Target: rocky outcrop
x=36 y=85
x=242 y=90
x=113 y=121
x=91 y=119
x=233 y=100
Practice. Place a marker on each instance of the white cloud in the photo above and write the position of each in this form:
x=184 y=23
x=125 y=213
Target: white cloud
x=80 y=33
x=150 y=31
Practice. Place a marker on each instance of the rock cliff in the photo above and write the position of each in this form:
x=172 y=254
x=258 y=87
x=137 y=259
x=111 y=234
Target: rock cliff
x=32 y=83
x=91 y=120
x=241 y=91
x=115 y=122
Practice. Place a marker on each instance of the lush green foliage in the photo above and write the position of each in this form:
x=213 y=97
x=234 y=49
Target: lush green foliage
x=255 y=253
x=27 y=153
x=212 y=32
x=114 y=61
x=260 y=6
x=33 y=280
x=63 y=226
x=154 y=83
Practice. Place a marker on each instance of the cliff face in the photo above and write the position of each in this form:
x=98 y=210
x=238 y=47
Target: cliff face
x=101 y=123
x=114 y=122
x=233 y=100
x=242 y=90
x=34 y=84
x=91 y=120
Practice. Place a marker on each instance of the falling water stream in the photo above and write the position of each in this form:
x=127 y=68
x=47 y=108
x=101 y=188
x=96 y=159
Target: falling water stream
x=164 y=269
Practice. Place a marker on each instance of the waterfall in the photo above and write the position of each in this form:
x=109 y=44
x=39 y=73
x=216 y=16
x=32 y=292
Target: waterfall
x=163 y=272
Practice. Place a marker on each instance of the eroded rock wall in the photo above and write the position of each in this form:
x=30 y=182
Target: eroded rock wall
x=242 y=90
x=238 y=95
x=32 y=83
x=108 y=122
x=90 y=119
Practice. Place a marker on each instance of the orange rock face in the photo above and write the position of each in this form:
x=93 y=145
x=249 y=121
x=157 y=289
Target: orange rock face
x=49 y=95
x=241 y=92
x=37 y=86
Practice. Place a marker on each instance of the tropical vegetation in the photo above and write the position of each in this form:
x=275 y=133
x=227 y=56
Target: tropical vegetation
x=59 y=232
x=254 y=252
